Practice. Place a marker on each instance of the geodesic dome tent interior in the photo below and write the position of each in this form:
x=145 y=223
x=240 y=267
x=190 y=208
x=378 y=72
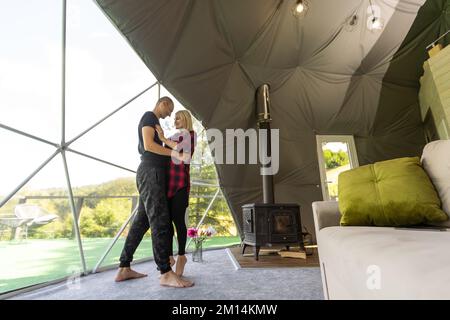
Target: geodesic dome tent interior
x=75 y=81
x=328 y=72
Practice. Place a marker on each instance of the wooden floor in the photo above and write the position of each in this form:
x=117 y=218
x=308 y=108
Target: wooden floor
x=271 y=259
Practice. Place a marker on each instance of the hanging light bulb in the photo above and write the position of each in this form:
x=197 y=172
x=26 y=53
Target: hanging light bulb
x=376 y=24
x=300 y=8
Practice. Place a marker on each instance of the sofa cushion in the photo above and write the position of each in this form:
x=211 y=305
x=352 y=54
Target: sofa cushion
x=395 y=192
x=436 y=162
x=385 y=263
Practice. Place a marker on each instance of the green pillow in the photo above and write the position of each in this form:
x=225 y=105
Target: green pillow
x=396 y=192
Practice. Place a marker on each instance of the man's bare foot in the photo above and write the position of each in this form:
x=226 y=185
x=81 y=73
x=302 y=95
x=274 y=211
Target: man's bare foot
x=170 y=279
x=181 y=262
x=127 y=274
x=172 y=261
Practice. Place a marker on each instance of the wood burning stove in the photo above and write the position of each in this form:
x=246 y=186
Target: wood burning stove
x=268 y=224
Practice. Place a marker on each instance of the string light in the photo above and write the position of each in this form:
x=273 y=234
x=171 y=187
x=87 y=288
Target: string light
x=375 y=23
x=300 y=9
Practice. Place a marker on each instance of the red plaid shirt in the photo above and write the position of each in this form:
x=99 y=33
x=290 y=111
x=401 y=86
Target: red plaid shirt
x=178 y=174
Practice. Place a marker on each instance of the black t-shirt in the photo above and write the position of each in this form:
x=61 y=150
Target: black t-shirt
x=149 y=119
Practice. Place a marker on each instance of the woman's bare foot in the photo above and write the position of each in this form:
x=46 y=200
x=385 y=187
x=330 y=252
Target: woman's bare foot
x=181 y=262
x=127 y=274
x=170 y=279
x=172 y=261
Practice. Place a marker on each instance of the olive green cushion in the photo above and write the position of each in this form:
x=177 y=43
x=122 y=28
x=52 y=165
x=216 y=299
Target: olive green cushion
x=396 y=192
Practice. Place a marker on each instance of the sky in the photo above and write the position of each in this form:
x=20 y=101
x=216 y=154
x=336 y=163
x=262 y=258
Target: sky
x=102 y=73
x=335 y=146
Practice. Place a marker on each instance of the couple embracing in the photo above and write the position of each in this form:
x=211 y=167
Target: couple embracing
x=163 y=183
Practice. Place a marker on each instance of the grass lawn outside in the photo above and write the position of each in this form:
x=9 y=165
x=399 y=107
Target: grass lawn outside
x=34 y=261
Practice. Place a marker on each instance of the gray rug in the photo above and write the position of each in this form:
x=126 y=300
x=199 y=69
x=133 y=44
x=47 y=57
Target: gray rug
x=215 y=278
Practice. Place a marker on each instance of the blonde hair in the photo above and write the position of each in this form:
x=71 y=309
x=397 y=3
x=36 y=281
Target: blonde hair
x=186 y=118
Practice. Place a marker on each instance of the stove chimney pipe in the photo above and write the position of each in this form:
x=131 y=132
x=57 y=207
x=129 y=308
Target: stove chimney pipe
x=263 y=121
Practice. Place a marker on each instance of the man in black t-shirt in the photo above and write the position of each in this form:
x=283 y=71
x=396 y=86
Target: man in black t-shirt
x=153 y=210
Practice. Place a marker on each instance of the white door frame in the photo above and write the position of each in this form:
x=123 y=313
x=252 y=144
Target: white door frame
x=352 y=155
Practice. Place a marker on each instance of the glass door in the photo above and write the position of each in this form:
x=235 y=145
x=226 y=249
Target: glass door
x=336 y=154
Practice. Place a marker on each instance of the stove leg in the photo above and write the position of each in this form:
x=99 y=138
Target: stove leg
x=256 y=251
x=287 y=248
x=302 y=246
x=243 y=248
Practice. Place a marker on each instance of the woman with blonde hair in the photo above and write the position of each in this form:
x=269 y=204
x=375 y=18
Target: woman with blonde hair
x=178 y=182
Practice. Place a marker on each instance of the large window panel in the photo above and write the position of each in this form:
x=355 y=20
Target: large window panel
x=21 y=156
x=103 y=71
x=37 y=235
x=104 y=201
x=116 y=139
x=30 y=66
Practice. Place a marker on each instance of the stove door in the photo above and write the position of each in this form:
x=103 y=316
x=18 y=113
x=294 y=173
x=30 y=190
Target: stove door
x=283 y=227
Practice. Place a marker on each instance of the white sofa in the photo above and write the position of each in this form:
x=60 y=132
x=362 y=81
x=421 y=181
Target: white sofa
x=388 y=263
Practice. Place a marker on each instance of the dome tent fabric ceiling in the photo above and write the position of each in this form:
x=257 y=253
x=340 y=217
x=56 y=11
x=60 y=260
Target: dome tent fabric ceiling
x=325 y=79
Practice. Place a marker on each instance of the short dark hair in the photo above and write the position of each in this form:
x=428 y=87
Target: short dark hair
x=164 y=99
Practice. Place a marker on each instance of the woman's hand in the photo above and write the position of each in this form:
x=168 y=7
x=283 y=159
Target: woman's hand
x=186 y=157
x=160 y=132
x=183 y=157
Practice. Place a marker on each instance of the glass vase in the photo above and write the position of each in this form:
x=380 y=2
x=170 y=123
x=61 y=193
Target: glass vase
x=197 y=255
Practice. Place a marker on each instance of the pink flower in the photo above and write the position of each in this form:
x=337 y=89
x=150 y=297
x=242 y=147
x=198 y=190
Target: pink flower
x=192 y=233
x=201 y=234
